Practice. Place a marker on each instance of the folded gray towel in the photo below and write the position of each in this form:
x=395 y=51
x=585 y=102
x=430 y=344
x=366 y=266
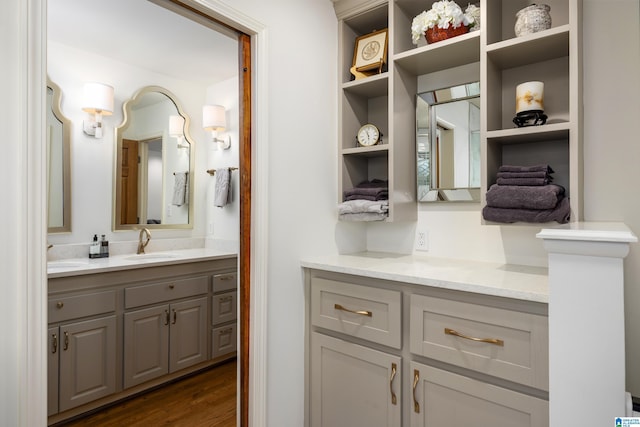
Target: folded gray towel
x=561 y=214
x=222 y=194
x=536 y=174
x=524 y=197
x=523 y=181
x=363 y=206
x=363 y=216
x=535 y=168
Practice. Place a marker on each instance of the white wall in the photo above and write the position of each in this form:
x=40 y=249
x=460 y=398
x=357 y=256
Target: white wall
x=92 y=159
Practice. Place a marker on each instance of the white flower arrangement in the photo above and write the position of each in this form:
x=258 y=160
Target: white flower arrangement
x=443 y=13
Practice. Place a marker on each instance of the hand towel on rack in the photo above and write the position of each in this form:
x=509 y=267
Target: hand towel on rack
x=222 y=194
x=180 y=185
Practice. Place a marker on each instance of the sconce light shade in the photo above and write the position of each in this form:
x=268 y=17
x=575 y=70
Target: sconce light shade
x=98 y=102
x=98 y=99
x=176 y=126
x=214 y=117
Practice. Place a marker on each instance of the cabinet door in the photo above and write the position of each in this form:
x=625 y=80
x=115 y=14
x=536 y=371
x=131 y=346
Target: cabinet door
x=146 y=344
x=224 y=308
x=87 y=361
x=53 y=353
x=352 y=385
x=441 y=398
x=188 y=334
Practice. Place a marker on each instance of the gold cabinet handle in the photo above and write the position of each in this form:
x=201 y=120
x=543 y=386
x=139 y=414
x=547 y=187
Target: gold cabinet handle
x=54 y=343
x=394 y=369
x=66 y=341
x=494 y=341
x=226 y=299
x=174 y=317
x=166 y=317
x=172 y=286
x=359 y=312
x=59 y=304
x=416 y=378
x=226 y=277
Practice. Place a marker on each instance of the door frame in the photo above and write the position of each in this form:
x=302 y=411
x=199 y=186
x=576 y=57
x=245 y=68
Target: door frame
x=32 y=376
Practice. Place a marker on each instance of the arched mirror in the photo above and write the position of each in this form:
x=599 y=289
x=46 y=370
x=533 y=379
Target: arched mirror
x=154 y=162
x=448 y=144
x=58 y=163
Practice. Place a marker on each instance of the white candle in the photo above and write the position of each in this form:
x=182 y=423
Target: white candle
x=529 y=97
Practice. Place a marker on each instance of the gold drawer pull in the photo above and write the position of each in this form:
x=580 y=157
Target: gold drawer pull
x=59 y=304
x=172 y=286
x=394 y=369
x=359 y=312
x=54 y=343
x=226 y=277
x=66 y=341
x=494 y=341
x=416 y=378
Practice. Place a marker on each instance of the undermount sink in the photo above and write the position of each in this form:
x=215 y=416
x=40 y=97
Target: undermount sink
x=151 y=257
x=63 y=265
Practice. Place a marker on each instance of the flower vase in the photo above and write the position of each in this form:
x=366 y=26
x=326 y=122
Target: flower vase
x=436 y=34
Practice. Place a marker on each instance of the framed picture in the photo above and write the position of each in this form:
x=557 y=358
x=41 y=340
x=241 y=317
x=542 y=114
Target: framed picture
x=370 y=51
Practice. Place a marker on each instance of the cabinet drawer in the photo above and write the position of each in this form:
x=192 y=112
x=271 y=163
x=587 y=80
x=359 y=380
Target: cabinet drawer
x=224 y=307
x=441 y=398
x=224 y=340
x=361 y=311
x=160 y=292
x=61 y=309
x=499 y=342
x=225 y=282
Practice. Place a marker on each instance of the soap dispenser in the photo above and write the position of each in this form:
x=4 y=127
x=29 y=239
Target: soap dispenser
x=94 y=248
x=104 y=247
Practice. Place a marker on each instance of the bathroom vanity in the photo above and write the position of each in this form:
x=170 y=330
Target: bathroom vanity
x=120 y=325
x=402 y=340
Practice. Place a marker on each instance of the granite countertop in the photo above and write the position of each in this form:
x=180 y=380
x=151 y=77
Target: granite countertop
x=81 y=266
x=502 y=280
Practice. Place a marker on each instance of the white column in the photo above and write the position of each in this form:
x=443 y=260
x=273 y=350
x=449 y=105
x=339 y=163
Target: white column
x=586 y=322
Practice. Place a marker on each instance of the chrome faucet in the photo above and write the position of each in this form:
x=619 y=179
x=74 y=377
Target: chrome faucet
x=141 y=244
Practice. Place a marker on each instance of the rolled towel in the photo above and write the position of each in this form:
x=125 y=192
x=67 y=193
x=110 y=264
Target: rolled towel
x=222 y=194
x=561 y=214
x=535 y=168
x=523 y=181
x=537 y=174
x=524 y=197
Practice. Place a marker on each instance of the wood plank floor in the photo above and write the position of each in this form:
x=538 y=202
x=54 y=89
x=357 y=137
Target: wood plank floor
x=204 y=400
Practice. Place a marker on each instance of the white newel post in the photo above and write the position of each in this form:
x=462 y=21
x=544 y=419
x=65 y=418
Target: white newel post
x=586 y=323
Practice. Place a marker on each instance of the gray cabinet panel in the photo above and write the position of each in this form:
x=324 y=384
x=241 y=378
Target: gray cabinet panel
x=188 y=334
x=146 y=344
x=74 y=307
x=224 y=340
x=225 y=282
x=137 y=296
x=87 y=361
x=224 y=308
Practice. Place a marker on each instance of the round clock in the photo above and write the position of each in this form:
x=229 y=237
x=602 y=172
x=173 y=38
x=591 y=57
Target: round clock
x=368 y=135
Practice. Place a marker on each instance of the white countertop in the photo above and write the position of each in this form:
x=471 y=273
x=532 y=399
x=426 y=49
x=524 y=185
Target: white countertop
x=81 y=266
x=502 y=280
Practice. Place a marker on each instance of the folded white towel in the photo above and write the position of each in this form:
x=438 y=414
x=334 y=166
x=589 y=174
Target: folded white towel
x=222 y=194
x=180 y=185
x=363 y=206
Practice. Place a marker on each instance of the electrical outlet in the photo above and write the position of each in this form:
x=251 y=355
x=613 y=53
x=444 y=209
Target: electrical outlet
x=422 y=240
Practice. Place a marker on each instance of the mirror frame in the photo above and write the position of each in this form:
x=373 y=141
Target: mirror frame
x=442 y=198
x=56 y=109
x=117 y=179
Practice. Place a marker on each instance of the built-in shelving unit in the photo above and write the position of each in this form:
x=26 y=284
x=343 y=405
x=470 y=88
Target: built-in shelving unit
x=495 y=57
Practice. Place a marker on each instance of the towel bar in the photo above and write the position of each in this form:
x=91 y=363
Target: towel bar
x=213 y=171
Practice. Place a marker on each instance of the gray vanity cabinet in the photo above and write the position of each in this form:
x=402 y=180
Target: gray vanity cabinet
x=224 y=314
x=82 y=349
x=164 y=338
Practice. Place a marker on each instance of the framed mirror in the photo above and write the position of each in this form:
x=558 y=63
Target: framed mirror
x=154 y=163
x=448 y=144
x=58 y=163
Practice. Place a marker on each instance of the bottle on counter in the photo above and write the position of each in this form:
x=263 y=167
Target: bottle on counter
x=104 y=247
x=94 y=247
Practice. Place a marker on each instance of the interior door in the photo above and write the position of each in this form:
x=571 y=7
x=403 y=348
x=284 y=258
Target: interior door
x=129 y=182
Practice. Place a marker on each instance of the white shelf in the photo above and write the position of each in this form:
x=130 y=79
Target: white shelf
x=538 y=47
x=369 y=87
x=548 y=132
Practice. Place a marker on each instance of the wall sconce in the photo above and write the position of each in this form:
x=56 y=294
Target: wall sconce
x=176 y=130
x=98 y=102
x=214 y=119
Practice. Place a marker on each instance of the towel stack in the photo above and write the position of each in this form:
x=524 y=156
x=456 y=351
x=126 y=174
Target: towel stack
x=368 y=201
x=526 y=194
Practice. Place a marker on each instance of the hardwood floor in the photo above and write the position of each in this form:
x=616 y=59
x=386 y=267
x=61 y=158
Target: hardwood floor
x=204 y=400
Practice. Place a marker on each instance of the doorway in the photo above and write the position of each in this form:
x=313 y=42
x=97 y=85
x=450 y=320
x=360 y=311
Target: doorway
x=245 y=138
